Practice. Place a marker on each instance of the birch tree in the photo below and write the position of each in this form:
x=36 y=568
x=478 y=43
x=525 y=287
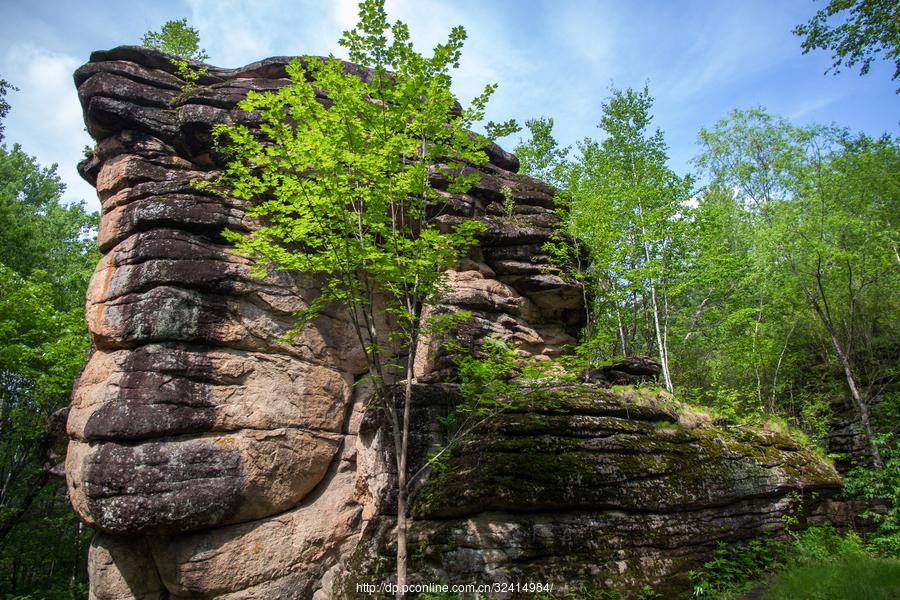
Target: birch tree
x=824 y=209
x=629 y=209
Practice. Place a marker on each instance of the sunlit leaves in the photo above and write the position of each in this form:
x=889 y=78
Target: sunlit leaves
x=340 y=172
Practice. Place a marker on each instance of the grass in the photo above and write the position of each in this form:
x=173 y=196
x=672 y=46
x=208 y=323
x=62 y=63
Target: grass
x=819 y=564
x=853 y=577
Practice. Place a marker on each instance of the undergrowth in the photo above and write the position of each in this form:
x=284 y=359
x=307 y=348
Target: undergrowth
x=819 y=564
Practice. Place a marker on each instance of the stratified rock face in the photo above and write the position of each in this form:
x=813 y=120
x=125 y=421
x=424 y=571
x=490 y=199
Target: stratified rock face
x=587 y=487
x=219 y=461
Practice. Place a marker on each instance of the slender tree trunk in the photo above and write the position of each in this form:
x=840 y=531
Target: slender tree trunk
x=857 y=399
x=844 y=358
x=402 y=491
x=401 y=531
x=756 y=358
x=622 y=335
x=661 y=346
x=663 y=354
x=664 y=362
x=778 y=368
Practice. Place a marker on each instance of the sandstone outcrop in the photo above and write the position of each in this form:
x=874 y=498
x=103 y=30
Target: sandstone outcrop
x=217 y=460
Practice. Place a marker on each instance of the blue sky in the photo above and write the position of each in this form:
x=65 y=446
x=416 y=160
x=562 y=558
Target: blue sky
x=550 y=58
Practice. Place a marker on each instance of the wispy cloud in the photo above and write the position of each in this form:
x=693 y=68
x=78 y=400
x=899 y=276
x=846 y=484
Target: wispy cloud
x=809 y=107
x=729 y=42
x=242 y=32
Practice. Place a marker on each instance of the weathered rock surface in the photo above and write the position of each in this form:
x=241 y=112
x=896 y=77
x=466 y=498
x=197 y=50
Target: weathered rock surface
x=220 y=461
x=585 y=487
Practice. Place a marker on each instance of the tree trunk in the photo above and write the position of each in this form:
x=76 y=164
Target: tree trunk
x=663 y=353
x=759 y=394
x=401 y=536
x=401 y=470
x=778 y=368
x=663 y=359
x=844 y=358
x=857 y=399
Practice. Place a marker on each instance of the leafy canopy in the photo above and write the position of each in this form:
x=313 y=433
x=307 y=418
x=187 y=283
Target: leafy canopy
x=178 y=38
x=42 y=233
x=47 y=255
x=541 y=156
x=856 y=32
x=348 y=182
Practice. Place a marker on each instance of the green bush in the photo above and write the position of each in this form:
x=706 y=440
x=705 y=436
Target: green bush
x=882 y=485
x=820 y=564
x=733 y=569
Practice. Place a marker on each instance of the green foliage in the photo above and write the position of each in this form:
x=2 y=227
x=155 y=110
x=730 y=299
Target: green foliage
x=484 y=380
x=495 y=131
x=629 y=210
x=47 y=255
x=794 y=265
x=854 y=577
x=823 y=543
x=819 y=563
x=41 y=351
x=348 y=189
x=827 y=566
x=190 y=75
x=345 y=191
x=856 y=32
x=5 y=87
x=541 y=156
x=733 y=569
x=41 y=233
x=178 y=38
x=880 y=485
x=648 y=593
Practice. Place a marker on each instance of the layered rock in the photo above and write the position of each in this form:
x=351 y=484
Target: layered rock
x=219 y=460
x=589 y=488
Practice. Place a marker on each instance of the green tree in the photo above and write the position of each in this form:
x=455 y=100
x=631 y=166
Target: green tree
x=823 y=208
x=350 y=196
x=41 y=351
x=628 y=208
x=47 y=254
x=5 y=87
x=39 y=232
x=856 y=32
x=541 y=155
x=749 y=330
x=178 y=38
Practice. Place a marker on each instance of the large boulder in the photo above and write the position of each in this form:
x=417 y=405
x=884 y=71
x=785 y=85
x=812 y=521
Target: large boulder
x=217 y=459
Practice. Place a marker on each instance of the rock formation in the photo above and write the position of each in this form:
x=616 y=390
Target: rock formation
x=216 y=460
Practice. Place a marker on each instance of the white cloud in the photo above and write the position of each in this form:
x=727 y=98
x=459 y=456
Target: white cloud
x=46 y=115
x=237 y=33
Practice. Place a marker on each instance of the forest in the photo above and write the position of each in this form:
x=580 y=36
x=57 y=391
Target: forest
x=764 y=282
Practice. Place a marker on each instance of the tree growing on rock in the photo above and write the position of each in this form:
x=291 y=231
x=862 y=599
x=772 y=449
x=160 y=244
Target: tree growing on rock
x=627 y=209
x=178 y=38
x=349 y=195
